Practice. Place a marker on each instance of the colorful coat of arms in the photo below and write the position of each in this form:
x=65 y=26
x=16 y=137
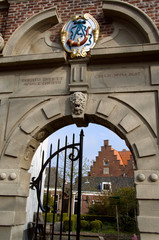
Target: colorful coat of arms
x=79 y=35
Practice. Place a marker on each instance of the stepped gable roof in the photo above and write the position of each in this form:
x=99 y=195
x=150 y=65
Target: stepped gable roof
x=116 y=153
x=125 y=155
x=122 y=156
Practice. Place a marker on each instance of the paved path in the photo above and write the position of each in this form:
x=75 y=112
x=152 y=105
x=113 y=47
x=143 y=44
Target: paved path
x=57 y=237
x=74 y=238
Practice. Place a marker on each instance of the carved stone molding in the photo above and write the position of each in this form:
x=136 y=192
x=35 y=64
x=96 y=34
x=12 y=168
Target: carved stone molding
x=1 y=42
x=134 y=15
x=24 y=35
x=78 y=76
x=146 y=177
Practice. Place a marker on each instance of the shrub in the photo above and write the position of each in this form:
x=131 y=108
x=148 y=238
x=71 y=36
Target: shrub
x=127 y=224
x=50 y=202
x=84 y=224
x=64 y=216
x=102 y=218
x=96 y=225
x=66 y=223
x=100 y=223
x=49 y=217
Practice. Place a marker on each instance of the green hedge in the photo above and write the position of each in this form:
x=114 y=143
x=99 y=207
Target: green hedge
x=95 y=225
x=66 y=223
x=49 y=217
x=99 y=222
x=64 y=216
x=84 y=225
x=102 y=218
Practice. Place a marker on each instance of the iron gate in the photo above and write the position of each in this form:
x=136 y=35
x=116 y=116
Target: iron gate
x=72 y=153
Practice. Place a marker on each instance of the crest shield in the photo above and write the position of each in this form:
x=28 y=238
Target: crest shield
x=79 y=35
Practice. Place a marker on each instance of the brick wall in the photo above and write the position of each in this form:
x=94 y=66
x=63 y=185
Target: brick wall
x=20 y=11
x=87 y=200
x=115 y=166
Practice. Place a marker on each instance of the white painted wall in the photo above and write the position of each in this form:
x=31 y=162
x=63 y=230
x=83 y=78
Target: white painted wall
x=35 y=168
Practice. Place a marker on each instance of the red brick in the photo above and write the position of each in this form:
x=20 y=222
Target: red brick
x=21 y=11
x=118 y=162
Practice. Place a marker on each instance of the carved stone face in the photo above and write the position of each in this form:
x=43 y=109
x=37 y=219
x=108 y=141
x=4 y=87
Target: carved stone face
x=78 y=102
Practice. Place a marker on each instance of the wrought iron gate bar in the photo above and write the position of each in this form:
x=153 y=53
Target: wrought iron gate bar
x=39 y=201
x=55 y=193
x=63 y=188
x=76 y=154
x=79 y=185
x=71 y=180
x=35 y=183
x=47 y=196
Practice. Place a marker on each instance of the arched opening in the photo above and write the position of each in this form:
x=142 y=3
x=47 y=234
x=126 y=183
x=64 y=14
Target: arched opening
x=49 y=116
x=97 y=139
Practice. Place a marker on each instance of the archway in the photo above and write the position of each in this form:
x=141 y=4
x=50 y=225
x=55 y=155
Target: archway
x=104 y=111
x=96 y=150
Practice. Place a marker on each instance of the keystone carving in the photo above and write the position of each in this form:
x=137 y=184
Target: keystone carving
x=78 y=103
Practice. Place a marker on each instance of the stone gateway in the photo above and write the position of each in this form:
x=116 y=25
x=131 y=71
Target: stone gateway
x=117 y=81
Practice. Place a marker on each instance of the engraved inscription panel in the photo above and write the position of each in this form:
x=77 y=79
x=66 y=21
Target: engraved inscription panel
x=43 y=82
x=117 y=77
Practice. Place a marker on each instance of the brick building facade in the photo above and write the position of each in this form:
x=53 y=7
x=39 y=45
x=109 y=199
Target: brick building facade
x=112 y=170
x=13 y=13
x=111 y=162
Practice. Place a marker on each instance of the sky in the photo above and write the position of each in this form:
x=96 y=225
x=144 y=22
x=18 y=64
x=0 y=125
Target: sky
x=94 y=136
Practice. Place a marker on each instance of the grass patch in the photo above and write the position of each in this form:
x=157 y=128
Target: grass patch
x=108 y=228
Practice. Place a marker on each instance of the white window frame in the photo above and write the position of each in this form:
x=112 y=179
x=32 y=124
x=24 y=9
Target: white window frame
x=106 y=190
x=107 y=168
x=105 y=161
